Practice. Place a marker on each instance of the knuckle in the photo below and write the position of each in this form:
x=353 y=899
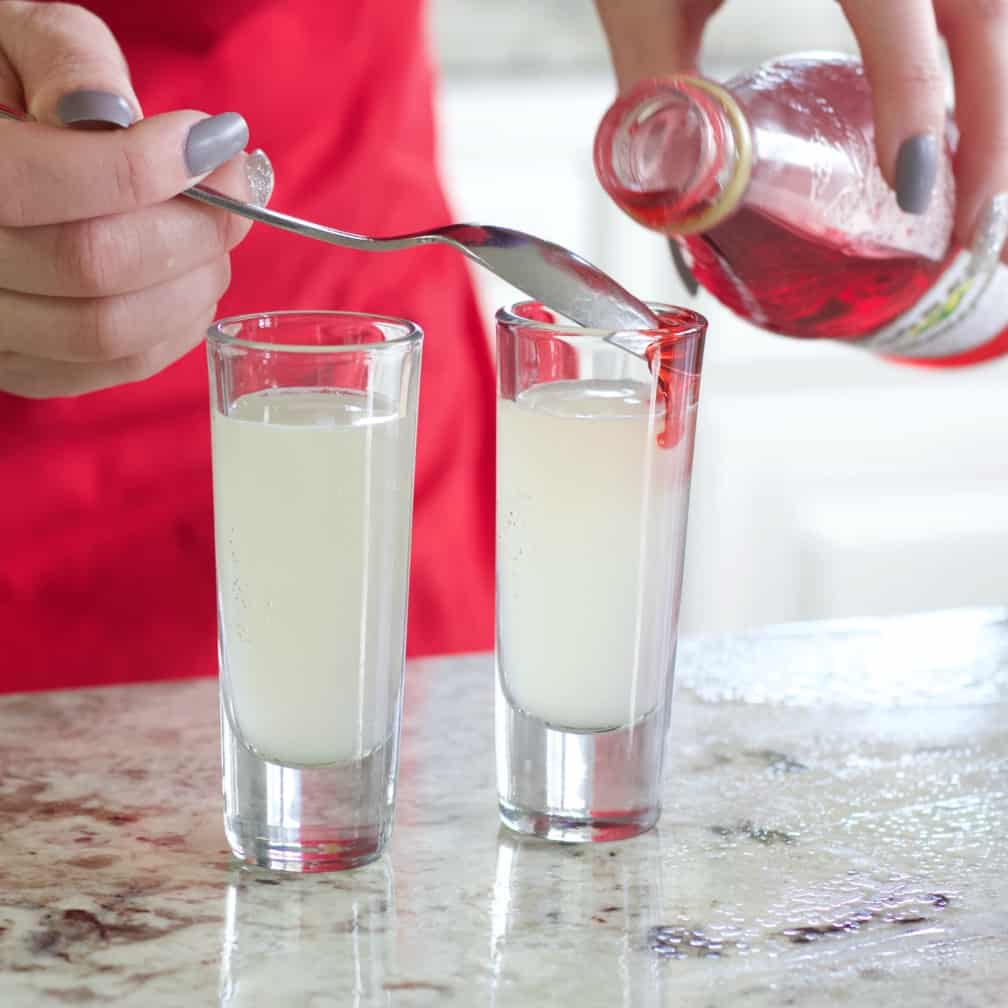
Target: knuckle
x=922 y=76
x=16 y=205
x=101 y=334
x=155 y=359
x=132 y=175
x=90 y=257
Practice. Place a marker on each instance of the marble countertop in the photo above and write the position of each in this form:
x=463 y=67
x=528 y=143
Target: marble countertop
x=834 y=834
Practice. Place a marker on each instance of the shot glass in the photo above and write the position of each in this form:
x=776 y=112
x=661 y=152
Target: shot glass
x=313 y=423
x=594 y=453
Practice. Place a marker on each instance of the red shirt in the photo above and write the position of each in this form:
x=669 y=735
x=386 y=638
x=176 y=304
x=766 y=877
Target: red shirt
x=106 y=543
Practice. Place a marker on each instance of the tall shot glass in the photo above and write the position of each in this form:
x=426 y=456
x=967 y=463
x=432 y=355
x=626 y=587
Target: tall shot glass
x=313 y=421
x=594 y=454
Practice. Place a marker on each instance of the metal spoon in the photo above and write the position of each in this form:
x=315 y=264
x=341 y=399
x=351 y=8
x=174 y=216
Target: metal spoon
x=543 y=270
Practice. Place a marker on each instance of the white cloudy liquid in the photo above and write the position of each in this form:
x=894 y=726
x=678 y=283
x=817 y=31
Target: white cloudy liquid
x=590 y=519
x=312 y=503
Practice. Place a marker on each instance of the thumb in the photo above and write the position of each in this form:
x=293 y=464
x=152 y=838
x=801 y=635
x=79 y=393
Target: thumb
x=649 y=38
x=70 y=67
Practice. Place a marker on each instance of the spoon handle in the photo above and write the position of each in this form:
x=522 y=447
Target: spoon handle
x=295 y=225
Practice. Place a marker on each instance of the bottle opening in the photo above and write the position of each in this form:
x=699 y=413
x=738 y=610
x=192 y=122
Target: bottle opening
x=663 y=146
x=665 y=152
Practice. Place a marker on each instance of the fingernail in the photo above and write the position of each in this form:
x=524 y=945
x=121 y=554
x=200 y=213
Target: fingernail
x=259 y=172
x=916 y=170
x=213 y=141
x=94 y=110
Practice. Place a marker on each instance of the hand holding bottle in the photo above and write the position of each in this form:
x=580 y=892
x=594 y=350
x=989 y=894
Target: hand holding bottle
x=900 y=48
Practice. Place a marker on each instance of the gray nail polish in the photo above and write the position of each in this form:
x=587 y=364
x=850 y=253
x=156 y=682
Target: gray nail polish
x=212 y=141
x=94 y=110
x=916 y=170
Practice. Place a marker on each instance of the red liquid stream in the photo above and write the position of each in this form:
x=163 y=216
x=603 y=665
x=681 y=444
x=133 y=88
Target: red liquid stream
x=678 y=389
x=675 y=358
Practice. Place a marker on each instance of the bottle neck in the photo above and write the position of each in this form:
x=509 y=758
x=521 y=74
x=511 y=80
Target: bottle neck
x=675 y=153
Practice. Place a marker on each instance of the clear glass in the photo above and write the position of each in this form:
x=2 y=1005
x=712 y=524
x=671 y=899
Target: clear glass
x=594 y=454
x=313 y=422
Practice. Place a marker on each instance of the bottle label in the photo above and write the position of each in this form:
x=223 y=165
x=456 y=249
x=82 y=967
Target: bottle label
x=965 y=309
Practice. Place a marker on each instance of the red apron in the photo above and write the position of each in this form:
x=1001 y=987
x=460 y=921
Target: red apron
x=106 y=544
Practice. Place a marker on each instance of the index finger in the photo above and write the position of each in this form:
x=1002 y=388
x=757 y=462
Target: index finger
x=902 y=57
x=977 y=36
x=50 y=175
x=648 y=38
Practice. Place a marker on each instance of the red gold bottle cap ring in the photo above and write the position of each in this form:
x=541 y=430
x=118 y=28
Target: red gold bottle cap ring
x=733 y=192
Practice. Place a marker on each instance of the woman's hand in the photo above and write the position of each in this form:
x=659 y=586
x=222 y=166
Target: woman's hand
x=900 y=48
x=104 y=278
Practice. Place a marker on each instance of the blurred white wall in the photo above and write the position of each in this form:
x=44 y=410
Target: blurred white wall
x=827 y=483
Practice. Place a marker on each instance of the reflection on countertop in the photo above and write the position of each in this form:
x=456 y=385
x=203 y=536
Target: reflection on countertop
x=822 y=844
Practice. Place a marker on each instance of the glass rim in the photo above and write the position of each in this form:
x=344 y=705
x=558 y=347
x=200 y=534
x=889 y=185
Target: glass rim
x=411 y=333
x=696 y=324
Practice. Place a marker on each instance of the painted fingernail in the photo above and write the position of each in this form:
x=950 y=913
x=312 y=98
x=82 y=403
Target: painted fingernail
x=213 y=141
x=94 y=110
x=916 y=170
x=259 y=173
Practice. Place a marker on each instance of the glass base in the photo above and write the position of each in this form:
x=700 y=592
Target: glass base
x=578 y=787
x=564 y=829
x=247 y=844
x=306 y=819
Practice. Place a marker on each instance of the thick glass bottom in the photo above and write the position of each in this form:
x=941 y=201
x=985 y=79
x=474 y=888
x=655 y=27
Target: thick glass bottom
x=247 y=844
x=578 y=787
x=564 y=829
x=306 y=819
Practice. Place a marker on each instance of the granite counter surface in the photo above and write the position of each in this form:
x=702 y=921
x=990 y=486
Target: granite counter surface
x=834 y=834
